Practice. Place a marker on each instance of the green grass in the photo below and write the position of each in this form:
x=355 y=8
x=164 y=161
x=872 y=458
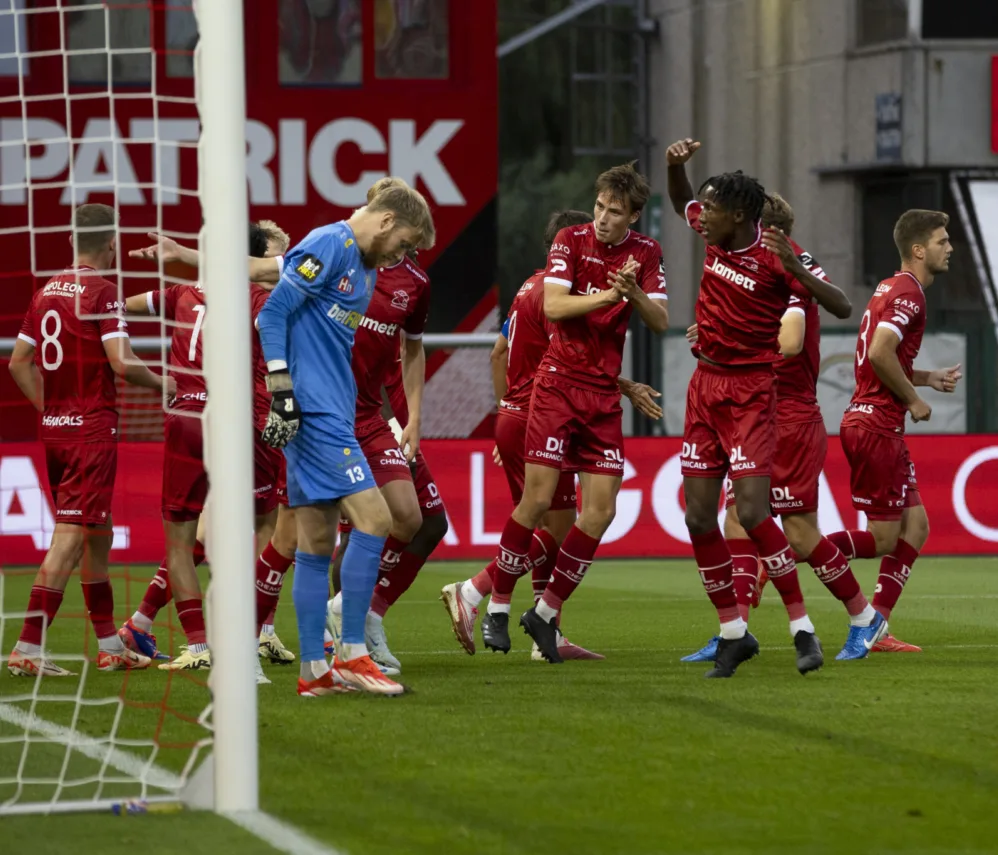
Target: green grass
x=638 y=754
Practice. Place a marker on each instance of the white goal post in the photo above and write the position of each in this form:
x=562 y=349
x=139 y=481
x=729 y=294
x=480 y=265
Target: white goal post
x=221 y=94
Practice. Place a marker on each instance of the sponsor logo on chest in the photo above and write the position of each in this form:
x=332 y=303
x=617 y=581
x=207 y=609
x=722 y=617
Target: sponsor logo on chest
x=719 y=268
x=344 y=316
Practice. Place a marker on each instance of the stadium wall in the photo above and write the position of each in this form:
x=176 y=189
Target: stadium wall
x=955 y=475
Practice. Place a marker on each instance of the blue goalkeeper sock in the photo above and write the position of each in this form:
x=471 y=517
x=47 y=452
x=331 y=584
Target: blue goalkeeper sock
x=358 y=576
x=310 y=594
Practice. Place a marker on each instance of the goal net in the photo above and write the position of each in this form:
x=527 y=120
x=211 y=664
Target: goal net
x=99 y=103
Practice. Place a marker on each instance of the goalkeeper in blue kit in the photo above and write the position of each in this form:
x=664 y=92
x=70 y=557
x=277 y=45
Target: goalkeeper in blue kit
x=307 y=332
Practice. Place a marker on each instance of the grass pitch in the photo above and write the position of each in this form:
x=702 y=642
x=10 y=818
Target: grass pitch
x=638 y=754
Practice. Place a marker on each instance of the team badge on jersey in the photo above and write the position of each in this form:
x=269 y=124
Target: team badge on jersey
x=346 y=286
x=309 y=268
x=400 y=300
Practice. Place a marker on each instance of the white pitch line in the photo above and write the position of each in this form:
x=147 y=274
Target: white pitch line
x=278 y=834
x=282 y=836
x=95 y=749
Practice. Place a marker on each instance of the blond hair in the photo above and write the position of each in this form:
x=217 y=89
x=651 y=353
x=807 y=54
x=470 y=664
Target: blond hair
x=93 y=228
x=407 y=204
x=778 y=213
x=275 y=233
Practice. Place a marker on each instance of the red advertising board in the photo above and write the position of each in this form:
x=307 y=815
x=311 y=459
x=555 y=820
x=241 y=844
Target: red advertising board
x=338 y=95
x=956 y=475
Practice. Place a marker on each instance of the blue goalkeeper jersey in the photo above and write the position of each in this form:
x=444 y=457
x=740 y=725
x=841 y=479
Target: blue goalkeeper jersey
x=310 y=320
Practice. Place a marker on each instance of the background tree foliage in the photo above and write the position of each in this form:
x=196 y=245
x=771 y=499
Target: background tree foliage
x=537 y=173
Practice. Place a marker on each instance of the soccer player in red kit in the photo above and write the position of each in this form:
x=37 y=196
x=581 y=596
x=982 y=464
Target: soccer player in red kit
x=596 y=275
x=394 y=320
x=800 y=453
x=185 y=480
x=882 y=476
x=72 y=343
x=517 y=353
x=731 y=402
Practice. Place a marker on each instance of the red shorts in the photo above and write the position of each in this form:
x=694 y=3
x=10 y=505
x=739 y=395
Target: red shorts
x=430 y=503
x=800 y=455
x=383 y=455
x=881 y=474
x=185 y=482
x=268 y=473
x=579 y=430
x=730 y=422
x=511 y=433
x=81 y=477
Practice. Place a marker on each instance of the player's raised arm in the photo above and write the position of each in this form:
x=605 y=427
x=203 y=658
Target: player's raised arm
x=884 y=361
x=499 y=361
x=24 y=371
x=680 y=189
x=167 y=250
x=828 y=295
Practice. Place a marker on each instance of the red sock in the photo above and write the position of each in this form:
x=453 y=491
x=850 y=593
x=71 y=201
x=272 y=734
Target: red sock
x=397 y=582
x=483 y=580
x=570 y=566
x=46 y=601
x=191 y=616
x=543 y=550
x=511 y=562
x=269 y=620
x=855 y=544
x=271 y=568
x=199 y=553
x=745 y=572
x=714 y=563
x=832 y=568
x=99 y=597
x=777 y=557
x=894 y=571
x=158 y=594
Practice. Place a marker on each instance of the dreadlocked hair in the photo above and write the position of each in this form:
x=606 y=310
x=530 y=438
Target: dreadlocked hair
x=737 y=191
x=708 y=183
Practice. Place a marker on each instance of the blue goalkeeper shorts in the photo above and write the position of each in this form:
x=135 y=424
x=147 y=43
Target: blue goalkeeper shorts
x=324 y=462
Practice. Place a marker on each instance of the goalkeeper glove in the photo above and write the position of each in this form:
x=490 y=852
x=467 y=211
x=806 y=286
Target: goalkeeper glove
x=284 y=417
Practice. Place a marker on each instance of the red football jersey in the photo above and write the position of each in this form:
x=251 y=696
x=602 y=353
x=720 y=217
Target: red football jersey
x=897 y=305
x=587 y=351
x=261 y=397
x=67 y=323
x=529 y=335
x=743 y=295
x=797 y=378
x=400 y=302
x=184 y=306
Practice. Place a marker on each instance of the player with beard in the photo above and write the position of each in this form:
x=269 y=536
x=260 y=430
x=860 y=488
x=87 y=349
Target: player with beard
x=395 y=318
x=882 y=476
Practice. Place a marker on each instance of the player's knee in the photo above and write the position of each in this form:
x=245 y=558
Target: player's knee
x=433 y=530
x=406 y=524
x=377 y=521
x=699 y=520
x=916 y=527
x=885 y=538
x=533 y=505
x=752 y=514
